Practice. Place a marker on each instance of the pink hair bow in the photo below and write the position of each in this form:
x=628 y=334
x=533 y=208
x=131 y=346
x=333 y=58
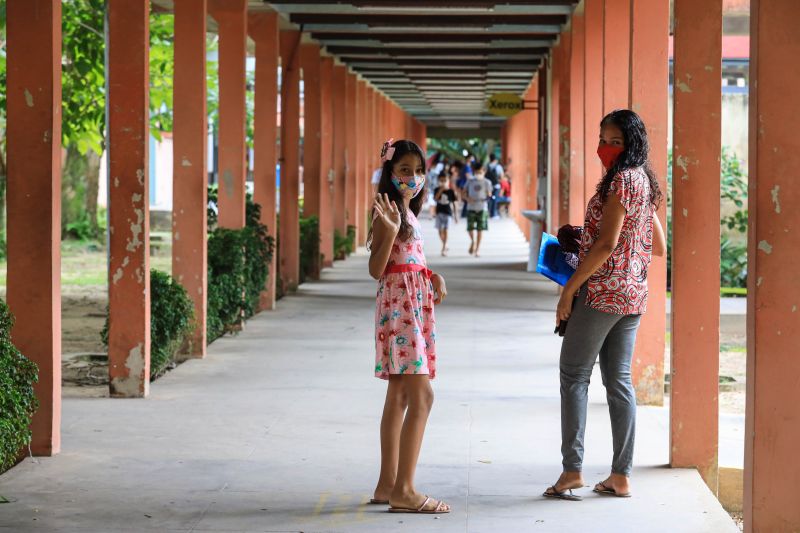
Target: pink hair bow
x=387 y=151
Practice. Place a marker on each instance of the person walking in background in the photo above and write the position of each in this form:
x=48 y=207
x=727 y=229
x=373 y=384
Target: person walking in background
x=405 y=327
x=445 y=208
x=478 y=190
x=494 y=171
x=605 y=298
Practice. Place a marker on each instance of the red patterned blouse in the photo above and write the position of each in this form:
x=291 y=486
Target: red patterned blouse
x=620 y=285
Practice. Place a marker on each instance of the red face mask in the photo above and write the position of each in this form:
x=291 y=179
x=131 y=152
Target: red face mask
x=608 y=154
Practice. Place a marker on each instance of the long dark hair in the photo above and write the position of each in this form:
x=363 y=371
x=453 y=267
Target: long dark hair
x=635 y=154
x=385 y=186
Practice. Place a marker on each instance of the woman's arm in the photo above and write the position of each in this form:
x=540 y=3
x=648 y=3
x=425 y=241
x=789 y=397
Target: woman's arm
x=659 y=240
x=613 y=218
x=384 y=230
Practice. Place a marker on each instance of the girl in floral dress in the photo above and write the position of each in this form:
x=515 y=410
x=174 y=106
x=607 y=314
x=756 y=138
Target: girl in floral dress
x=404 y=325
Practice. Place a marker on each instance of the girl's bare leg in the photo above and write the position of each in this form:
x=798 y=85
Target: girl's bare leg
x=420 y=401
x=391 y=425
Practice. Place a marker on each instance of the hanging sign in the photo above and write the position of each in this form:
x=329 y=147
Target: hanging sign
x=504 y=104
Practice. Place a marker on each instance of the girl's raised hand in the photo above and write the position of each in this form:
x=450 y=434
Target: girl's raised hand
x=388 y=212
x=439 y=288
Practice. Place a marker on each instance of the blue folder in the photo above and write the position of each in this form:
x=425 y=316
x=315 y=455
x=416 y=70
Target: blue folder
x=552 y=263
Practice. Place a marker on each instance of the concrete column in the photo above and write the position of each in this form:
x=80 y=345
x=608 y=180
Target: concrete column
x=351 y=105
x=339 y=148
x=33 y=107
x=564 y=123
x=361 y=161
x=128 y=207
x=649 y=96
x=263 y=29
x=289 y=252
x=312 y=132
x=616 y=54
x=326 y=163
x=577 y=133
x=592 y=95
x=695 y=238
x=772 y=432
x=231 y=17
x=553 y=212
x=532 y=149
x=189 y=176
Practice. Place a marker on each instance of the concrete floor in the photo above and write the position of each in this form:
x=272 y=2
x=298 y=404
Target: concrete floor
x=277 y=429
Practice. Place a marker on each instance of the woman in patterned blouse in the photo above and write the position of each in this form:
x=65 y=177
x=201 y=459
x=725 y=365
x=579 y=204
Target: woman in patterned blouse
x=605 y=299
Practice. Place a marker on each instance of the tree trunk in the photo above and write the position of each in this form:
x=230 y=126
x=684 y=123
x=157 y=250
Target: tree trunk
x=92 y=190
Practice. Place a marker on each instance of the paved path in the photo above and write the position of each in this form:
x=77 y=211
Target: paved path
x=277 y=429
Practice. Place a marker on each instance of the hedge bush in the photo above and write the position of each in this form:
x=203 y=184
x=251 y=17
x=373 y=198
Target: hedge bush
x=310 y=260
x=17 y=400
x=343 y=244
x=171 y=320
x=238 y=266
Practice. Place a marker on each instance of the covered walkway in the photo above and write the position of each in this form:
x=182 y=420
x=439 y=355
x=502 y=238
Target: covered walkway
x=277 y=429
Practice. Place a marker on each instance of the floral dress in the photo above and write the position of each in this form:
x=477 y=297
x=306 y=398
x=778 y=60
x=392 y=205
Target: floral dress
x=405 y=328
x=620 y=285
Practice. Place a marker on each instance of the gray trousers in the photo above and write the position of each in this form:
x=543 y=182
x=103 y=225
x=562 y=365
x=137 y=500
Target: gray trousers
x=591 y=332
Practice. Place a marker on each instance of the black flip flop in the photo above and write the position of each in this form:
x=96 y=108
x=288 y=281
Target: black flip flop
x=551 y=492
x=608 y=490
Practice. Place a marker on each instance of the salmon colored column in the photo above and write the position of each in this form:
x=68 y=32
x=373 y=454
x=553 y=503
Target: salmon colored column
x=564 y=123
x=289 y=252
x=231 y=17
x=577 y=133
x=616 y=54
x=360 y=157
x=33 y=106
x=772 y=471
x=532 y=149
x=553 y=217
x=312 y=135
x=129 y=207
x=351 y=107
x=649 y=96
x=696 y=137
x=263 y=29
x=326 y=163
x=339 y=148
x=189 y=176
x=592 y=95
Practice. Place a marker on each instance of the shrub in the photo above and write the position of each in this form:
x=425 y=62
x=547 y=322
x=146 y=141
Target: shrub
x=171 y=314
x=17 y=400
x=238 y=266
x=343 y=245
x=171 y=317
x=310 y=261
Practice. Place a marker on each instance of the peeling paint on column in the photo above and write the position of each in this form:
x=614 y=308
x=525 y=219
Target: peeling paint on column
x=136 y=230
x=46 y=138
x=185 y=162
x=28 y=98
x=759 y=281
x=684 y=86
x=140 y=176
x=765 y=247
x=116 y=181
x=132 y=384
x=775 y=199
x=685 y=212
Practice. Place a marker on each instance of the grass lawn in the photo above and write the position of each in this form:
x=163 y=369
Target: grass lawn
x=84 y=264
